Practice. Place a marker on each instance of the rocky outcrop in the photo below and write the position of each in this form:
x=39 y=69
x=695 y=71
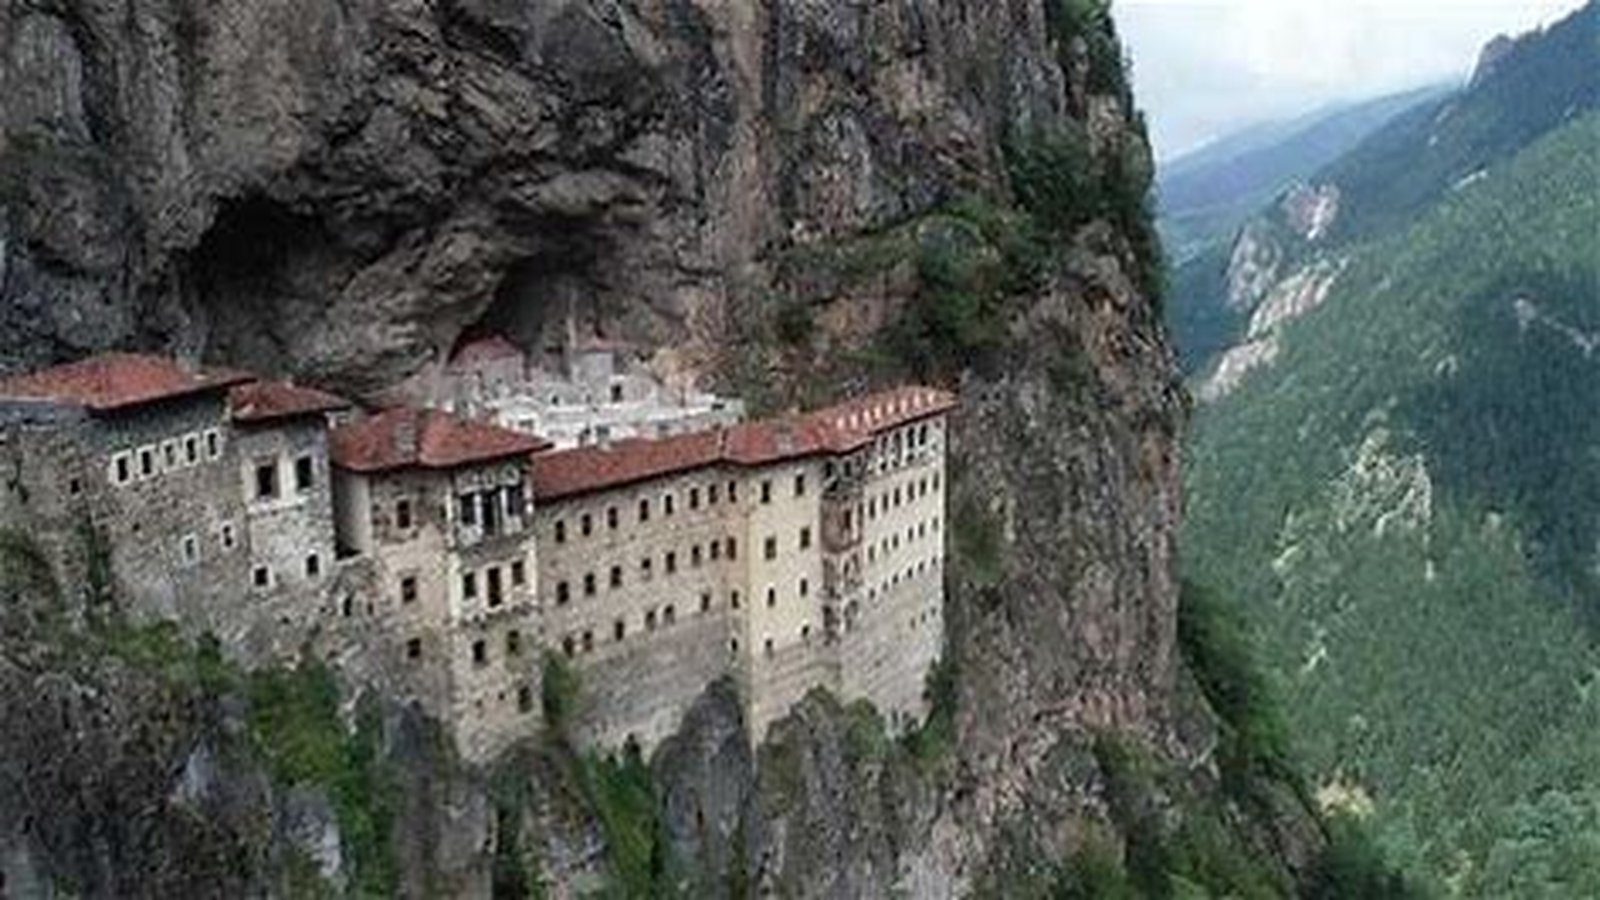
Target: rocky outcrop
x=341 y=191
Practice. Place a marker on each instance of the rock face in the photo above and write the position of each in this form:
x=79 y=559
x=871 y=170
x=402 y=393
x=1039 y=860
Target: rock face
x=341 y=191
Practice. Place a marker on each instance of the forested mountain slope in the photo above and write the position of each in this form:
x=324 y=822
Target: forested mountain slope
x=1404 y=493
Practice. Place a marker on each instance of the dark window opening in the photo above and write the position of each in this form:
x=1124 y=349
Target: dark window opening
x=304 y=474
x=266 y=481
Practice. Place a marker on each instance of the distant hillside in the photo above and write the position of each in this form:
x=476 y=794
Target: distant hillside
x=1207 y=194
x=1397 y=475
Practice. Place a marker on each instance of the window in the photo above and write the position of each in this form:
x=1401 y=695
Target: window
x=805 y=588
x=805 y=632
x=716 y=550
x=694 y=498
x=586 y=525
x=772 y=597
x=524 y=698
x=936 y=481
x=733 y=492
x=229 y=538
x=588 y=642
x=711 y=495
x=121 y=469
x=588 y=585
x=147 y=462
x=169 y=454
x=469 y=585
x=74 y=485
x=800 y=485
x=897 y=496
x=733 y=549
x=266 y=480
x=619 y=630
x=767 y=646
x=261 y=577
x=616 y=576
x=414 y=648
x=650 y=620
x=769 y=548
x=694 y=556
x=705 y=601
x=805 y=538
x=563 y=593
x=766 y=492
x=519 y=573
x=611 y=517
x=513 y=643
x=304 y=474
x=666 y=505
x=671 y=562
x=189 y=549
x=490 y=506
x=644 y=510
x=213 y=443
x=733 y=599
x=567 y=646
x=616 y=393
x=402 y=514
x=313 y=565
x=644 y=568
x=516 y=501
x=669 y=615
x=480 y=653
x=561 y=531
x=496 y=591
x=467 y=509
x=191 y=449
x=408 y=589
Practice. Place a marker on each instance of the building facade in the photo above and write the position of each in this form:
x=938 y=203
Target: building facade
x=441 y=557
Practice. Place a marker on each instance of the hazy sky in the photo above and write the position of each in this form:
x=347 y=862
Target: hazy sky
x=1203 y=68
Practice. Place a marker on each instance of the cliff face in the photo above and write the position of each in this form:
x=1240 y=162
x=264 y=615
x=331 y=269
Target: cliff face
x=342 y=190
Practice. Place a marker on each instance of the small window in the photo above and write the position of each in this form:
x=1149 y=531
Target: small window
x=414 y=648
x=191 y=449
x=313 y=566
x=694 y=498
x=616 y=576
x=121 y=469
x=586 y=525
x=213 y=444
x=266 y=481
x=716 y=550
x=711 y=495
x=611 y=517
x=666 y=505
x=568 y=646
x=408 y=589
x=671 y=562
x=733 y=599
x=705 y=601
x=496 y=589
x=805 y=538
x=644 y=510
x=74 y=486
x=588 y=642
x=261 y=577
x=800 y=485
x=805 y=633
x=619 y=630
x=561 y=531
x=766 y=492
x=524 y=698
x=189 y=549
x=402 y=514
x=772 y=597
x=467 y=510
x=733 y=492
x=616 y=393
x=519 y=573
x=644 y=568
x=563 y=593
x=516 y=501
x=694 y=555
x=767 y=646
x=304 y=474
x=733 y=549
x=513 y=643
x=805 y=588
x=588 y=585
x=469 y=585
x=229 y=538
x=480 y=653
x=769 y=548
x=147 y=462
x=169 y=455
x=669 y=616
x=650 y=620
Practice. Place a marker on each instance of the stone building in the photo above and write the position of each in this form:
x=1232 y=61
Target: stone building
x=792 y=553
x=441 y=508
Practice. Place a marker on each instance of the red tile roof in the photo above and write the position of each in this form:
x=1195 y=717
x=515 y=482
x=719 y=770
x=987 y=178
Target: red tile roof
x=113 y=381
x=486 y=349
x=404 y=438
x=835 y=429
x=266 y=401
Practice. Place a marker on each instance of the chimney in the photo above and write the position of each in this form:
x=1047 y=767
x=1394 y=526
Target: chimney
x=405 y=433
x=783 y=433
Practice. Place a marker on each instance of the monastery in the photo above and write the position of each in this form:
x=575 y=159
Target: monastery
x=439 y=556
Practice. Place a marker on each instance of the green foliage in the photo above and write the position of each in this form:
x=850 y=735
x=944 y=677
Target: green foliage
x=1055 y=178
x=622 y=792
x=1401 y=504
x=1351 y=865
x=559 y=694
x=977 y=543
x=1094 y=873
x=23 y=566
x=794 y=323
x=935 y=739
x=295 y=725
x=1091 y=20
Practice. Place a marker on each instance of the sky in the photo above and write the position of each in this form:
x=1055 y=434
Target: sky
x=1205 y=68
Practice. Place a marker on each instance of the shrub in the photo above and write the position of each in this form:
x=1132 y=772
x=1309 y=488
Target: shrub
x=559 y=694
